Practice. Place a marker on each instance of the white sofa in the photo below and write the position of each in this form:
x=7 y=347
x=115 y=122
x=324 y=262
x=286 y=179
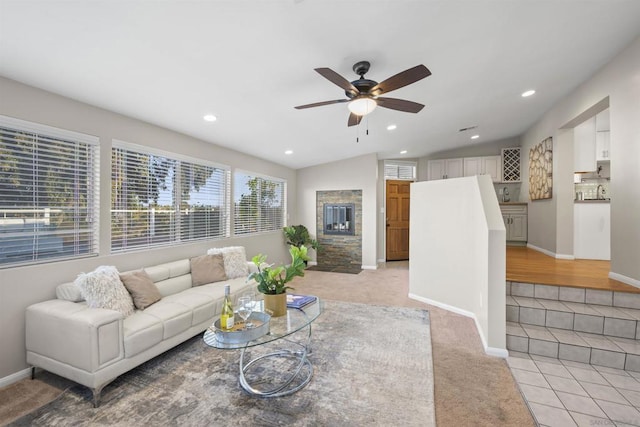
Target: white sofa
x=93 y=346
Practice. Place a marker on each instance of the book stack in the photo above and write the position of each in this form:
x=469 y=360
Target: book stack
x=299 y=301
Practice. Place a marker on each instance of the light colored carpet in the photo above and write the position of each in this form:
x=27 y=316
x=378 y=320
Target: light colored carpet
x=471 y=388
x=372 y=366
x=22 y=397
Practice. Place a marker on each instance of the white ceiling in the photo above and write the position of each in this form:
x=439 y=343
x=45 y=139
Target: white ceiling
x=250 y=62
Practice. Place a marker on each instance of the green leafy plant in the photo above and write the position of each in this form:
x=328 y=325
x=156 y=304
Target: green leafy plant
x=273 y=280
x=298 y=236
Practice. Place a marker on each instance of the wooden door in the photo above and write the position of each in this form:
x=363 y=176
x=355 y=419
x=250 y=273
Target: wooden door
x=397 y=220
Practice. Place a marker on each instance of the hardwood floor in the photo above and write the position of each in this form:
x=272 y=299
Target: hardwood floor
x=530 y=266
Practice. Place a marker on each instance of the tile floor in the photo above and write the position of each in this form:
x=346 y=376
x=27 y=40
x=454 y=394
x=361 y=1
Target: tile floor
x=564 y=393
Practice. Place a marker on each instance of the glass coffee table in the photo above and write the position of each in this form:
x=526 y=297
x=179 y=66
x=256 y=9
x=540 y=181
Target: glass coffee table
x=282 y=371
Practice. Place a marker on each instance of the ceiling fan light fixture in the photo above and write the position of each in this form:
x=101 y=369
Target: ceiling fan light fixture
x=361 y=106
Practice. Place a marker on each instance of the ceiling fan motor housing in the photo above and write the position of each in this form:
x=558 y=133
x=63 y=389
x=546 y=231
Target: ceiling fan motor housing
x=363 y=86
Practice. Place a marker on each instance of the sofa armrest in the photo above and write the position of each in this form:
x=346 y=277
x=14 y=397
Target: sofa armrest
x=72 y=333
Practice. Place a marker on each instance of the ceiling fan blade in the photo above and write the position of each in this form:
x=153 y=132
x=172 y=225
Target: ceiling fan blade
x=354 y=120
x=337 y=79
x=320 y=104
x=399 y=104
x=402 y=79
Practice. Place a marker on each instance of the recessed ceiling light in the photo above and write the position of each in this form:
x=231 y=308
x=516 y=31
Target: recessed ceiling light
x=475 y=137
x=288 y=152
x=528 y=93
x=403 y=152
x=210 y=118
x=391 y=127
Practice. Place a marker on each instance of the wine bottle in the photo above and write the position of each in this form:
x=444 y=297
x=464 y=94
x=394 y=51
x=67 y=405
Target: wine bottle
x=226 y=318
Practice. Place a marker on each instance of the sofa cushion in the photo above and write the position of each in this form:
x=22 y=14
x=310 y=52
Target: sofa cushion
x=69 y=292
x=142 y=289
x=175 y=318
x=235 y=260
x=203 y=307
x=102 y=288
x=141 y=331
x=207 y=269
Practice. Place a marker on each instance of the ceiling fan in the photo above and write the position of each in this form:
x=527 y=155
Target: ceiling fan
x=363 y=95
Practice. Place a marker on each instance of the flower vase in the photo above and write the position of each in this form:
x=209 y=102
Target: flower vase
x=275 y=305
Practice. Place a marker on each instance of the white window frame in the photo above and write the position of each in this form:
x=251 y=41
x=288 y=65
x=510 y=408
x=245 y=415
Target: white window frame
x=174 y=235
x=52 y=244
x=398 y=164
x=259 y=226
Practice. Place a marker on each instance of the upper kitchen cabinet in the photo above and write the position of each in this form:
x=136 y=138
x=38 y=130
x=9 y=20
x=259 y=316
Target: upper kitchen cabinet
x=584 y=146
x=603 y=146
x=445 y=168
x=511 y=164
x=488 y=165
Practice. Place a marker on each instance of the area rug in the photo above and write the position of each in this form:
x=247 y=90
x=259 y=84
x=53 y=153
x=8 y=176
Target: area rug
x=372 y=366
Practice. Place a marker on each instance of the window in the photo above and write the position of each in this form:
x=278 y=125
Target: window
x=159 y=198
x=259 y=203
x=48 y=193
x=402 y=170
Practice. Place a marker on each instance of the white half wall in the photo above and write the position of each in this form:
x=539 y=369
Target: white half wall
x=458 y=255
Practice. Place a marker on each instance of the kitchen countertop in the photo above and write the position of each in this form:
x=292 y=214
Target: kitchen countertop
x=593 y=201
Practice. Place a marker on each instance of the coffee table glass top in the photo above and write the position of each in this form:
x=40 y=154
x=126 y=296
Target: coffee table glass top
x=279 y=327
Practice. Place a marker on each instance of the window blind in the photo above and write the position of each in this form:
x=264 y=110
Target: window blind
x=259 y=203
x=160 y=198
x=399 y=170
x=48 y=193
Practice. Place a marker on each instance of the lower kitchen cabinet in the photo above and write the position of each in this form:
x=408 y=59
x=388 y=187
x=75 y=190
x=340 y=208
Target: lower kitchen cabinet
x=515 y=221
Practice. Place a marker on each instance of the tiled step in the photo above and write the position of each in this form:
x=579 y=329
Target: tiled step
x=601 y=350
x=582 y=325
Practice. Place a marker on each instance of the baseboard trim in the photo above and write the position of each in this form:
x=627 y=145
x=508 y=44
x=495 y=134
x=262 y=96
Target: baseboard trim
x=490 y=351
x=369 y=267
x=624 y=279
x=551 y=254
x=312 y=263
x=14 y=378
x=563 y=256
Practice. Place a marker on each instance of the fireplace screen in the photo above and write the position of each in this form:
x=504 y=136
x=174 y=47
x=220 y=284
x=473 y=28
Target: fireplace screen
x=338 y=218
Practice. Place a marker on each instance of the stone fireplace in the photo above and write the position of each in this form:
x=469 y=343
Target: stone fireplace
x=339 y=230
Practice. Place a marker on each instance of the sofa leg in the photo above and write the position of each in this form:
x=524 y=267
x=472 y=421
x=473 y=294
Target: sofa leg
x=97 y=392
x=33 y=372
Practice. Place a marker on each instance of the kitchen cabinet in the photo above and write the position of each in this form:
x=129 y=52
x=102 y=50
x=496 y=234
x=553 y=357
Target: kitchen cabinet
x=445 y=168
x=515 y=222
x=592 y=231
x=488 y=165
x=584 y=146
x=603 y=146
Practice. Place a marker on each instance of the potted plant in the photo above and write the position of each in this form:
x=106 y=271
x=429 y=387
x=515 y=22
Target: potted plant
x=298 y=236
x=272 y=281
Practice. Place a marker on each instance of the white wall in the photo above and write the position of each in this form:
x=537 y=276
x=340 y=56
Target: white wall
x=620 y=81
x=457 y=252
x=22 y=286
x=358 y=173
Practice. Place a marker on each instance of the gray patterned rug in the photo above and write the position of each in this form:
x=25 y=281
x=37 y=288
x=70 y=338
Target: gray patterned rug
x=372 y=366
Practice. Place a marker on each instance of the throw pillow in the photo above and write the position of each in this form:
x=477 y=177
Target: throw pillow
x=142 y=289
x=69 y=292
x=235 y=260
x=102 y=288
x=207 y=269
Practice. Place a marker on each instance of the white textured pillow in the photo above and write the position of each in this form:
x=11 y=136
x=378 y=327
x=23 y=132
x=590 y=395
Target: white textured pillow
x=102 y=288
x=235 y=260
x=69 y=292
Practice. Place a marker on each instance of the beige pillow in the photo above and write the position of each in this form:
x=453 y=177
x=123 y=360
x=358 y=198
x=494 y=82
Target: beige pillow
x=207 y=269
x=142 y=289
